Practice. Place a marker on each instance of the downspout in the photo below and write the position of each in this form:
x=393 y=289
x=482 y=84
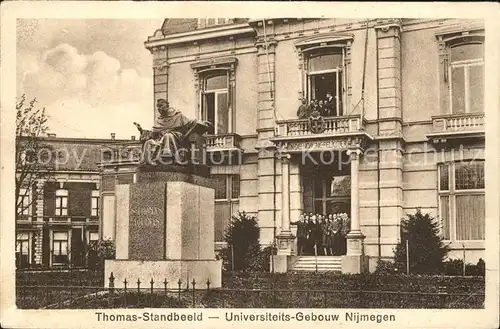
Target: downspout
x=379 y=247
x=271 y=94
x=364 y=72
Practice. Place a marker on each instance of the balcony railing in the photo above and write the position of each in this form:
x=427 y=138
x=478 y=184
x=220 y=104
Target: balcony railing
x=222 y=142
x=466 y=122
x=332 y=126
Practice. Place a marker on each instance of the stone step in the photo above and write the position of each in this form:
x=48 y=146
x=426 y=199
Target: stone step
x=319 y=263
x=320 y=260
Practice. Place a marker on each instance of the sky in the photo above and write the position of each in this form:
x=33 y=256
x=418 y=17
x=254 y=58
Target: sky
x=93 y=76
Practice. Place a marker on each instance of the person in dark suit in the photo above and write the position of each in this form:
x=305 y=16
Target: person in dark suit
x=330 y=105
x=303 y=111
x=301 y=233
x=310 y=234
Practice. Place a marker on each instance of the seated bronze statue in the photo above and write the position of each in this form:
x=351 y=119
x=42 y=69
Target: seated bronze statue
x=168 y=139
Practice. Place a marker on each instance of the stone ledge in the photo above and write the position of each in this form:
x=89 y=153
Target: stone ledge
x=148 y=174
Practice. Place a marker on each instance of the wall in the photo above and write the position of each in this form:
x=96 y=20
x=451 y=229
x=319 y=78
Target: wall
x=420 y=75
x=246 y=94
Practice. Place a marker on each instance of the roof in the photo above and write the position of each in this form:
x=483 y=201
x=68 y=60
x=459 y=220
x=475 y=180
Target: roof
x=78 y=154
x=180 y=25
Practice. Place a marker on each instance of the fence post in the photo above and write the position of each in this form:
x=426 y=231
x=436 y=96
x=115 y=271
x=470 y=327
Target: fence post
x=179 y=291
x=324 y=298
x=152 y=294
x=463 y=265
x=442 y=295
x=138 y=292
x=111 y=283
x=208 y=292
x=194 y=292
x=125 y=292
x=407 y=259
x=232 y=259
x=165 y=283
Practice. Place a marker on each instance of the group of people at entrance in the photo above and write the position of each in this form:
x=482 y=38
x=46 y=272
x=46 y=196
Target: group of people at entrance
x=323 y=235
x=325 y=108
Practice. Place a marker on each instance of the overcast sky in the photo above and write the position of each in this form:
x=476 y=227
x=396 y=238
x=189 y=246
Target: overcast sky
x=93 y=76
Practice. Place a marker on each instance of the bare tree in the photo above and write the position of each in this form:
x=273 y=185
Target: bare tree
x=34 y=158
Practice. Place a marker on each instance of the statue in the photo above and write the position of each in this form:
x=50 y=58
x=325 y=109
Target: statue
x=168 y=139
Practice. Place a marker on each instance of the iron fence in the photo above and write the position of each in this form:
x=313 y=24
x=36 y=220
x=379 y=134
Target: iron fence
x=137 y=294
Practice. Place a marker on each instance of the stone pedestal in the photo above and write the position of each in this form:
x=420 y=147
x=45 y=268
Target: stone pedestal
x=280 y=262
x=354 y=262
x=165 y=231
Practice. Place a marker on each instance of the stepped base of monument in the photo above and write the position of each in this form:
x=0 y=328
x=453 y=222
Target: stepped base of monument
x=164 y=270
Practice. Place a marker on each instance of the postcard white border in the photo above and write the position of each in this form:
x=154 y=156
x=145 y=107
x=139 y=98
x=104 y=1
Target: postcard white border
x=10 y=317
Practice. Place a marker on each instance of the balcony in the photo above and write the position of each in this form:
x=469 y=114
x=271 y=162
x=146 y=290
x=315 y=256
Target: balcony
x=224 y=142
x=128 y=154
x=457 y=127
x=328 y=133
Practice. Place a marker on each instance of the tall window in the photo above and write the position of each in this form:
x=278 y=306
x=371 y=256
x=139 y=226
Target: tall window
x=95 y=204
x=61 y=203
x=332 y=191
x=93 y=236
x=227 y=193
x=461 y=200
x=325 y=74
x=60 y=247
x=466 y=77
x=215 y=104
x=23 y=202
x=22 y=249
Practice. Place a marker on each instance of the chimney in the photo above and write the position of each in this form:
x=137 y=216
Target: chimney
x=51 y=135
x=133 y=138
x=113 y=136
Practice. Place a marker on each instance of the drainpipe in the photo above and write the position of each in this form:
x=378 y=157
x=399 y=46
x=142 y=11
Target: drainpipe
x=379 y=247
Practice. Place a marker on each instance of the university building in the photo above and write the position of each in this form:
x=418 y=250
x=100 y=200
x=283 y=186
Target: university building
x=405 y=128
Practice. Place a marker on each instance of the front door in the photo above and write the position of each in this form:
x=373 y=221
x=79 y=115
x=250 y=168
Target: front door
x=77 y=247
x=327 y=192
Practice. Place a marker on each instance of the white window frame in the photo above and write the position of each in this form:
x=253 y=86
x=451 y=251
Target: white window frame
x=24 y=207
x=60 y=210
x=466 y=64
x=230 y=199
x=95 y=197
x=337 y=71
x=451 y=193
x=53 y=242
x=90 y=236
x=216 y=92
x=20 y=239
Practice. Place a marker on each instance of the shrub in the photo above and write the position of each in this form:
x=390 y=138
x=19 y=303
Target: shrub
x=385 y=267
x=455 y=267
x=261 y=263
x=426 y=248
x=243 y=248
x=98 y=251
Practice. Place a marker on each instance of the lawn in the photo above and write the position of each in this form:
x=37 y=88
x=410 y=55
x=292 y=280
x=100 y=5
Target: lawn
x=241 y=290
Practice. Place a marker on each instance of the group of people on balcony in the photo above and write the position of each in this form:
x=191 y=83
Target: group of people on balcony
x=324 y=107
x=323 y=235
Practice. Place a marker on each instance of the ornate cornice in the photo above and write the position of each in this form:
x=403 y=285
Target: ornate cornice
x=341 y=143
x=215 y=63
x=324 y=39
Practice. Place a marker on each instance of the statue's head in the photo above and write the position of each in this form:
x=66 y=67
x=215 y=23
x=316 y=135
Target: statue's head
x=162 y=106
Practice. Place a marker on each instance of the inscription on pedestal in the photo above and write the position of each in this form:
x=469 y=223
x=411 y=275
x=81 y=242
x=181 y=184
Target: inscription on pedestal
x=147 y=221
